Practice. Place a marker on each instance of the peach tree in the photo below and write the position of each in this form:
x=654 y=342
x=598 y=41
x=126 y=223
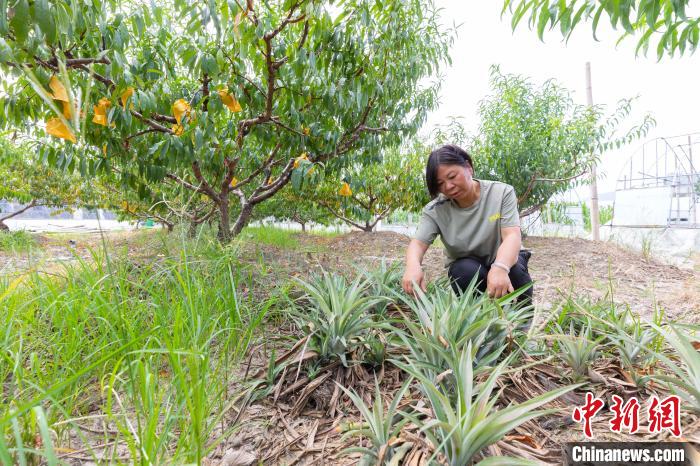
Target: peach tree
x=34 y=184
x=219 y=96
x=362 y=194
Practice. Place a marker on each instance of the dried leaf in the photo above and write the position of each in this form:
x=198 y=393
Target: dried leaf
x=297 y=161
x=126 y=94
x=59 y=91
x=180 y=108
x=178 y=130
x=229 y=100
x=345 y=190
x=100 y=109
x=67 y=110
x=234 y=182
x=56 y=127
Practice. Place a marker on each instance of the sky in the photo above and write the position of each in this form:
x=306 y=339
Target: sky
x=669 y=90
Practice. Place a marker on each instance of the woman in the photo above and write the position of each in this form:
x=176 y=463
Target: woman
x=478 y=223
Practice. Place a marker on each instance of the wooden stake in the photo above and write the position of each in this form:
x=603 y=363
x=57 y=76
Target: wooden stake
x=595 y=224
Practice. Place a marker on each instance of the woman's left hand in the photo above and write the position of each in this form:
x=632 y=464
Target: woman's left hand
x=498 y=283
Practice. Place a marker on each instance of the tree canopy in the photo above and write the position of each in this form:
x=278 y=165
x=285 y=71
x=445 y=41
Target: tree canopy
x=665 y=21
x=537 y=139
x=25 y=180
x=219 y=97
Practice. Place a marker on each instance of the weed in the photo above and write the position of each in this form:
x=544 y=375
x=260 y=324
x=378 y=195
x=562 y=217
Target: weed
x=16 y=241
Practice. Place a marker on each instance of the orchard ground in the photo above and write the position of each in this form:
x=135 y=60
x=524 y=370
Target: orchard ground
x=293 y=426
x=559 y=266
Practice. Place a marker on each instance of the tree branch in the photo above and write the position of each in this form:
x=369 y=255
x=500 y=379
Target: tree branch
x=268 y=163
x=32 y=204
x=342 y=217
x=270 y=190
x=204 y=186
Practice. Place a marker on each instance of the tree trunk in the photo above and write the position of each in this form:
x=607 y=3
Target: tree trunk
x=242 y=220
x=303 y=227
x=224 y=235
x=4 y=227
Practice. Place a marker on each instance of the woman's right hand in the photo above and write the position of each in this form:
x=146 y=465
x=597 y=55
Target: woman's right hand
x=411 y=275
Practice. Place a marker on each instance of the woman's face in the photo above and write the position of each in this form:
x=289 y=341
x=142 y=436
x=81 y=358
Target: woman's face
x=454 y=181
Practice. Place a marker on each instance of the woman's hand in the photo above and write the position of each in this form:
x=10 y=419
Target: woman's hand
x=498 y=283
x=414 y=271
x=413 y=274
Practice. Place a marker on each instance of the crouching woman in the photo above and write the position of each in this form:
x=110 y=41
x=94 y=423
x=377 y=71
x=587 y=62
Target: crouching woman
x=479 y=226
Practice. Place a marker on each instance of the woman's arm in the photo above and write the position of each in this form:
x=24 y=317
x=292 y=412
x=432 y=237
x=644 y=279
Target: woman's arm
x=414 y=271
x=497 y=282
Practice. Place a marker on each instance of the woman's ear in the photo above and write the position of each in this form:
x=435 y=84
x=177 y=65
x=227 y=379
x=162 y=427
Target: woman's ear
x=470 y=169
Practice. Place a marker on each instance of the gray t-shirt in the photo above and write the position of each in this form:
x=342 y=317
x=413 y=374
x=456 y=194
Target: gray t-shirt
x=472 y=231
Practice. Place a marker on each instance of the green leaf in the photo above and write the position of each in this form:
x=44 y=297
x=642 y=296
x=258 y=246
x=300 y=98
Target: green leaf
x=20 y=22
x=5 y=51
x=44 y=18
x=4 y=26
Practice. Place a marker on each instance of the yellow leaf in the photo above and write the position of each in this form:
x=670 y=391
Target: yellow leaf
x=66 y=110
x=101 y=111
x=234 y=182
x=99 y=119
x=306 y=130
x=229 y=100
x=59 y=91
x=55 y=127
x=271 y=180
x=297 y=161
x=180 y=108
x=311 y=170
x=178 y=130
x=126 y=94
x=345 y=190
x=104 y=149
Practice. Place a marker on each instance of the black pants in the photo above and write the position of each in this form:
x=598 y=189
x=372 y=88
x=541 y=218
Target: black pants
x=463 y=270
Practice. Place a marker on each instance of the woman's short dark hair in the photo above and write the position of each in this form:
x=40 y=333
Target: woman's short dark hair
x=446 y=155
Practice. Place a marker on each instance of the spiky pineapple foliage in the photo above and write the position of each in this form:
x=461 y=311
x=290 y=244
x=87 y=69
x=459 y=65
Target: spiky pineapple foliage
x=379 y=427
x=577 y=350
x=684 y=377
x=447 y=323
x=384 y=282
x=337 y=317
x=466 y=418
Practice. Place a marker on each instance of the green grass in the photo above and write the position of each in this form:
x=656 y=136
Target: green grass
x=150 y=347
x=280 y=237
x=16 y=241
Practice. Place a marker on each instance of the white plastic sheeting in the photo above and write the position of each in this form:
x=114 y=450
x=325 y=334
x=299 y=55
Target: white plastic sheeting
x=678 y=246
x=643 y=207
